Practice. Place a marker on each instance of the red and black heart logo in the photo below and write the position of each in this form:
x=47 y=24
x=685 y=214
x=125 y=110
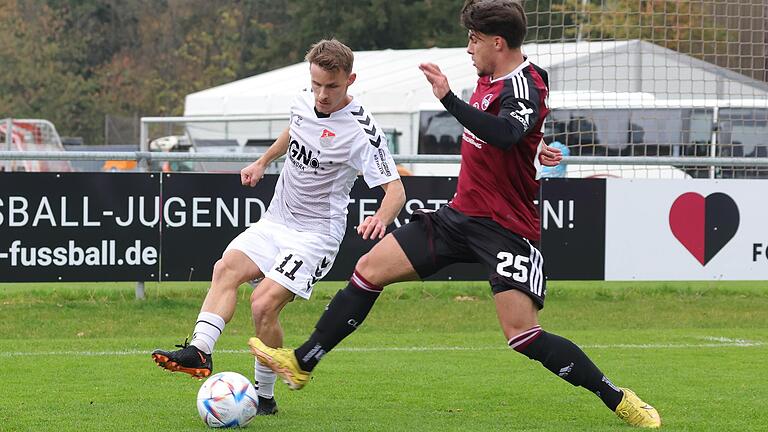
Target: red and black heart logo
x=704 y=225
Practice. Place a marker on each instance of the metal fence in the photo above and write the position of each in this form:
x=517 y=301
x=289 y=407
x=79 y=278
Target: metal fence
x=146 y=157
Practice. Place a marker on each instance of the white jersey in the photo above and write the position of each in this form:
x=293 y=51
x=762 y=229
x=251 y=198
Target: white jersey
x=324 y=156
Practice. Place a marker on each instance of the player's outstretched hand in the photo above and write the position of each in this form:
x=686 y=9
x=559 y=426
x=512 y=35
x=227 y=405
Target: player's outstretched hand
x=372 y=228
x=550 y=156
x=251 y=174
x=435 y=76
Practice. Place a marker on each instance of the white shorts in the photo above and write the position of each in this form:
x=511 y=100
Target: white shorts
x=294 y=259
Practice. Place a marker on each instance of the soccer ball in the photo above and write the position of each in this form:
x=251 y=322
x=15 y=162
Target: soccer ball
x=227 y=399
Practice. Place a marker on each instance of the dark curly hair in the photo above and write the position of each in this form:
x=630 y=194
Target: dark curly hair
x=505 y=18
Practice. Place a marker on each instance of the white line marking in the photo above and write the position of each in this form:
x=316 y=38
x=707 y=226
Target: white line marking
x=737 y=343
x=726 y=340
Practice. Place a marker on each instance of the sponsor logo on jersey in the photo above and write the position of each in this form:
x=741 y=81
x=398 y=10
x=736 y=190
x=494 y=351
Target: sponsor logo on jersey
x=326 y=138
x=522 y=115
x=472 y=139
x=486 y=101
x=301 y=157
x=381 y=163
x=297 y=120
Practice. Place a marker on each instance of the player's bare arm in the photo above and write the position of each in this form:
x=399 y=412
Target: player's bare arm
x=254 y=172
x=374 y=227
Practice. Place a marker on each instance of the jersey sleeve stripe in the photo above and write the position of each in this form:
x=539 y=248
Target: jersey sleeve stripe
x=527 y=95
x=525 y=92
x=368 y=125
x=515 y=87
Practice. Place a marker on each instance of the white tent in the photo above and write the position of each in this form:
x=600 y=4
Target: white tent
x=389 y=80
x=389 y=83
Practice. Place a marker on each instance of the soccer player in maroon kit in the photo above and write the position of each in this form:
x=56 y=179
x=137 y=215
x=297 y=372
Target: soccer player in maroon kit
x=492 y=219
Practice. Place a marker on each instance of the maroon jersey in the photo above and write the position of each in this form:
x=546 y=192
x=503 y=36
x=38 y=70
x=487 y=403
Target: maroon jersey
x=500 y=149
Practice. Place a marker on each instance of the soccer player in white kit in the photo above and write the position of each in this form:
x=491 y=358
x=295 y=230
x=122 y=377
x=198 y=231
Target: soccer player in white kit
x=331 y=137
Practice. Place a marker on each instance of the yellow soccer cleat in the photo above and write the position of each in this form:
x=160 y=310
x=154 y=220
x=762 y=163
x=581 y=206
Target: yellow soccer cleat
x=282 y=361
x=634 y=411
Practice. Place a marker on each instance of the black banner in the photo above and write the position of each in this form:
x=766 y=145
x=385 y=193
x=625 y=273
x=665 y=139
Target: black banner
x=204 y=212
x=573 y=228
x=79 y=227
x=173 y=227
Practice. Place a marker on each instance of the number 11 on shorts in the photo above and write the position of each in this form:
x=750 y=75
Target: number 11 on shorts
x=291 y=273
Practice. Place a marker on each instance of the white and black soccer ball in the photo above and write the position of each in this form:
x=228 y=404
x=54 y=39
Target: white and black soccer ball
x=227 y=399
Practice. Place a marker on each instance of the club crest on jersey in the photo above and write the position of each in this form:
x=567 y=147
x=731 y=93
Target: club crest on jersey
x=486 y=101
x=326 y=138
x=301 y=157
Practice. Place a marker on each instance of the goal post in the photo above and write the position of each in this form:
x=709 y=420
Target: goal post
x=31 y=135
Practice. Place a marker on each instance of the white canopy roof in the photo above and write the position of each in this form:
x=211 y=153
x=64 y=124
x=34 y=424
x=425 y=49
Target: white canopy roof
x=389 y=81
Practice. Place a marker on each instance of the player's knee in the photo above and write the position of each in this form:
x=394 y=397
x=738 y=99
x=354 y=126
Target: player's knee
x=372 y=273
x=224 y=270
x=221 y=268
x=364 y=265
x=258 y=309
x=263 y=308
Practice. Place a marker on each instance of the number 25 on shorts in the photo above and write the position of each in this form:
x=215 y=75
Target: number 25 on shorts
x=518 y=264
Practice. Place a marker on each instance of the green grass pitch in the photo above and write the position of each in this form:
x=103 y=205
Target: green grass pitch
x=430 y=357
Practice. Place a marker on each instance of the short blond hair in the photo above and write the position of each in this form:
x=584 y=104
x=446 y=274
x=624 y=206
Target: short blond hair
x=331 y=55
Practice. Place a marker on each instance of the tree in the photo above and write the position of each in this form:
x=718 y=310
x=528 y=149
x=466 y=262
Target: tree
x=36 y=79
x=74 y=61
x=684 y=26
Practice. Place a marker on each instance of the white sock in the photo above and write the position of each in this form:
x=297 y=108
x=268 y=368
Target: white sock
x=265 y=380
x=208 y=328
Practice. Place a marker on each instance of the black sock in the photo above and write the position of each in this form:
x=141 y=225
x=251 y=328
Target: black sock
x=566 y=360
x=343 y=315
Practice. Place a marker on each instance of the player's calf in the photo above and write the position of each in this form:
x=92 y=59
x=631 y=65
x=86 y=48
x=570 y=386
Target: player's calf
x=566 y=360
x=343 y=315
